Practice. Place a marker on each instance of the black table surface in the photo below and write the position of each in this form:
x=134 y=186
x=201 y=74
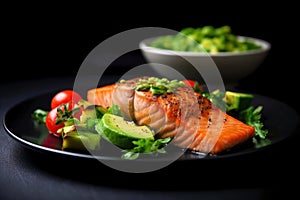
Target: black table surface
x=29 y=174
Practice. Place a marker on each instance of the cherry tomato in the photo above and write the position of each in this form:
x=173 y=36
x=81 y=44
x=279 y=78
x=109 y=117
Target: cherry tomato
x=51 y=121
x=66 y=101
x=194 y=84
x=64 y=97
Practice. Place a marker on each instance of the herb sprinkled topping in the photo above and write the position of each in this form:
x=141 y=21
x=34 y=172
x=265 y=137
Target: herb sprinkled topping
x=158 y=85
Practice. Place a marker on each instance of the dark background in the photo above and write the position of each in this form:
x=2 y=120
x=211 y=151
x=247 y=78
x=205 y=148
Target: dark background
x=53 y=40
x=45 y=41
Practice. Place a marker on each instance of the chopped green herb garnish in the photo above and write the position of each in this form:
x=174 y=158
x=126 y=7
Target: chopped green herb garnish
x=158 y=86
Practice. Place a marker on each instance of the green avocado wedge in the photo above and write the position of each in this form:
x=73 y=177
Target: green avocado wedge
x=237 y=100
x=81 y=140
x=121 y=132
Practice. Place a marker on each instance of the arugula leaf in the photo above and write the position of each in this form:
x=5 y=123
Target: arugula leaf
x=39 y=115
x=252 y=116
x=145 y=146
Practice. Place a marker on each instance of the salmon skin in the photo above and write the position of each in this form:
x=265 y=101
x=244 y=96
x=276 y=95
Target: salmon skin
x=192 y=120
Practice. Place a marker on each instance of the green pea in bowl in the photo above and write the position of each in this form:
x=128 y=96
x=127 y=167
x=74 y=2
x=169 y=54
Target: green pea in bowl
x=225 y=56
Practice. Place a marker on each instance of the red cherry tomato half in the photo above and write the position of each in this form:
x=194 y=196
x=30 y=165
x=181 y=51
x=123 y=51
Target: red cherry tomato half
x=51 y=122
x=64 y=97
x=194 y=84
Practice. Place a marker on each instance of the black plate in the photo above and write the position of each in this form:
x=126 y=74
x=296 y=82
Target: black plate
x=19 y=125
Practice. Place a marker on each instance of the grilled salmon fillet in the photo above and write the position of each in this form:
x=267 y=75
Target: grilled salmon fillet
x=189 y=118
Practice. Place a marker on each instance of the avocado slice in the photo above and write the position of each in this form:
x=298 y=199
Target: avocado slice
x=81 y=141
x=92 y=112
x=121 y=133
x=237 y=100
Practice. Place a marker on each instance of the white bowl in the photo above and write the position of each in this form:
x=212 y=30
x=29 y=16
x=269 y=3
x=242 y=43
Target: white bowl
x=232 y=66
